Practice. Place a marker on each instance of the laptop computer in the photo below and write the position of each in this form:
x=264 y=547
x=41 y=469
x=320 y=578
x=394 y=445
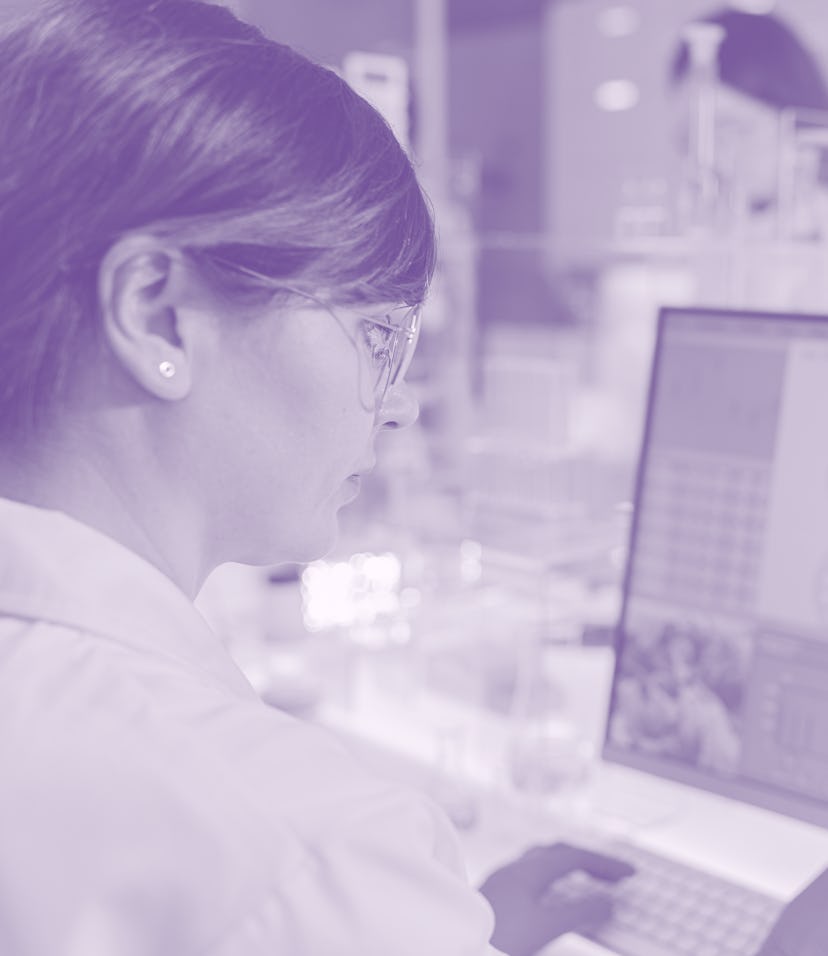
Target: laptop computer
x=720 y=690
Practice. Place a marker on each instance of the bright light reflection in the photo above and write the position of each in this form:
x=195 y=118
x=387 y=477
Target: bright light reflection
x=754 y=6
x=620 y=20
x=614 y=96
x=471 y=561
x=354 y=592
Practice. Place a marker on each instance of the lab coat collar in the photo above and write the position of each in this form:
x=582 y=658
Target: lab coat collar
x=56 y=569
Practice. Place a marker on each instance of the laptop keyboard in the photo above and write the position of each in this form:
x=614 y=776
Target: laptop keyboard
x=669 y=909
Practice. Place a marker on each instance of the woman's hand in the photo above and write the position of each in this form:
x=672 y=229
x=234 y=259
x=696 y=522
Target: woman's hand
x=527 y=916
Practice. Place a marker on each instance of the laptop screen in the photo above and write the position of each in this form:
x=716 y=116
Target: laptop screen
x=721 y=676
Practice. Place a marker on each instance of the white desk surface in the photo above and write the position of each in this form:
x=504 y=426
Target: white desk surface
x=749 y=845
x=755 y=847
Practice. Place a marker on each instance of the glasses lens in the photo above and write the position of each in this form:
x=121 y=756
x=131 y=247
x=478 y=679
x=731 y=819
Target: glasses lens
x=405 y=345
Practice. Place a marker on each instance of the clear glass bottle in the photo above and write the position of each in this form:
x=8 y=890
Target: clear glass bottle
x=702 y=206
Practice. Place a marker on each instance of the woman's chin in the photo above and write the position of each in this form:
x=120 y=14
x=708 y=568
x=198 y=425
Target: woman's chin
x=315 y=543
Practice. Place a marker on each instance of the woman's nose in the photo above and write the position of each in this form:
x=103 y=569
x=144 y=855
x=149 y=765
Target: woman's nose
x=399 y=408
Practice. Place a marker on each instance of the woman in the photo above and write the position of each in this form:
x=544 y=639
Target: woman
x=213 y=257
x=763 y=69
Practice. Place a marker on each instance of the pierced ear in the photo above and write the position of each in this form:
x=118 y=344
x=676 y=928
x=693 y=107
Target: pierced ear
x=140 y=285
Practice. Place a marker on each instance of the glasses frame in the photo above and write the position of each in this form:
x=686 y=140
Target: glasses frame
x=406 y=334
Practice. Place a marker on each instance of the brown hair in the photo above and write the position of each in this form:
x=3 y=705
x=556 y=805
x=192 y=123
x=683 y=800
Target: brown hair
x=175 y=117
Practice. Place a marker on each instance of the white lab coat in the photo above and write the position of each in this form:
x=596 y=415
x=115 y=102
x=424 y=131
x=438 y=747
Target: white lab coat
x=151 y=805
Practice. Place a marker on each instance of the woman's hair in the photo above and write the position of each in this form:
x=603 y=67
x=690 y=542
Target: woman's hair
x=763 y=58
x=175 y=118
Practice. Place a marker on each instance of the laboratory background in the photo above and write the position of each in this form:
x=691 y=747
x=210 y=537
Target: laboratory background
x=464 y=632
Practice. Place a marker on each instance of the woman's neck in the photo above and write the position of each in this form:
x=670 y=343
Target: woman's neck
x=110 y=493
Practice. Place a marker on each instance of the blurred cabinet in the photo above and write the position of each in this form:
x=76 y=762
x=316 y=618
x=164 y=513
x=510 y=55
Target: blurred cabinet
x=328 y=29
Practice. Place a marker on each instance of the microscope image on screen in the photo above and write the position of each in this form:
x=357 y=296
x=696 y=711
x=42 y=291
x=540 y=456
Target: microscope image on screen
x=679 y=695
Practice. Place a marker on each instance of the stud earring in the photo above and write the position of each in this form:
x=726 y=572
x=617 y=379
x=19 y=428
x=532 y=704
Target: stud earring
x=167 y=369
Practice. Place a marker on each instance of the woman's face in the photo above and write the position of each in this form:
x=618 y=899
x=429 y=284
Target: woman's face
x=292 y=423
x=747 y=144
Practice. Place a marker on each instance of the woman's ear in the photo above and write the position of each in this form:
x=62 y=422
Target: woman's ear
x=142 y=290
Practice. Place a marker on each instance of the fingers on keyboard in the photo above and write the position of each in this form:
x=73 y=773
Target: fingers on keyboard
x=564 y=858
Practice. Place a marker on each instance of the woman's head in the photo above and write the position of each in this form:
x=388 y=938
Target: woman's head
x=173 y=119
x=761 y=57
x=763 y=68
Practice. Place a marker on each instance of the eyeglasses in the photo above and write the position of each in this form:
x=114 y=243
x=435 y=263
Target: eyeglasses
x=390 y=344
